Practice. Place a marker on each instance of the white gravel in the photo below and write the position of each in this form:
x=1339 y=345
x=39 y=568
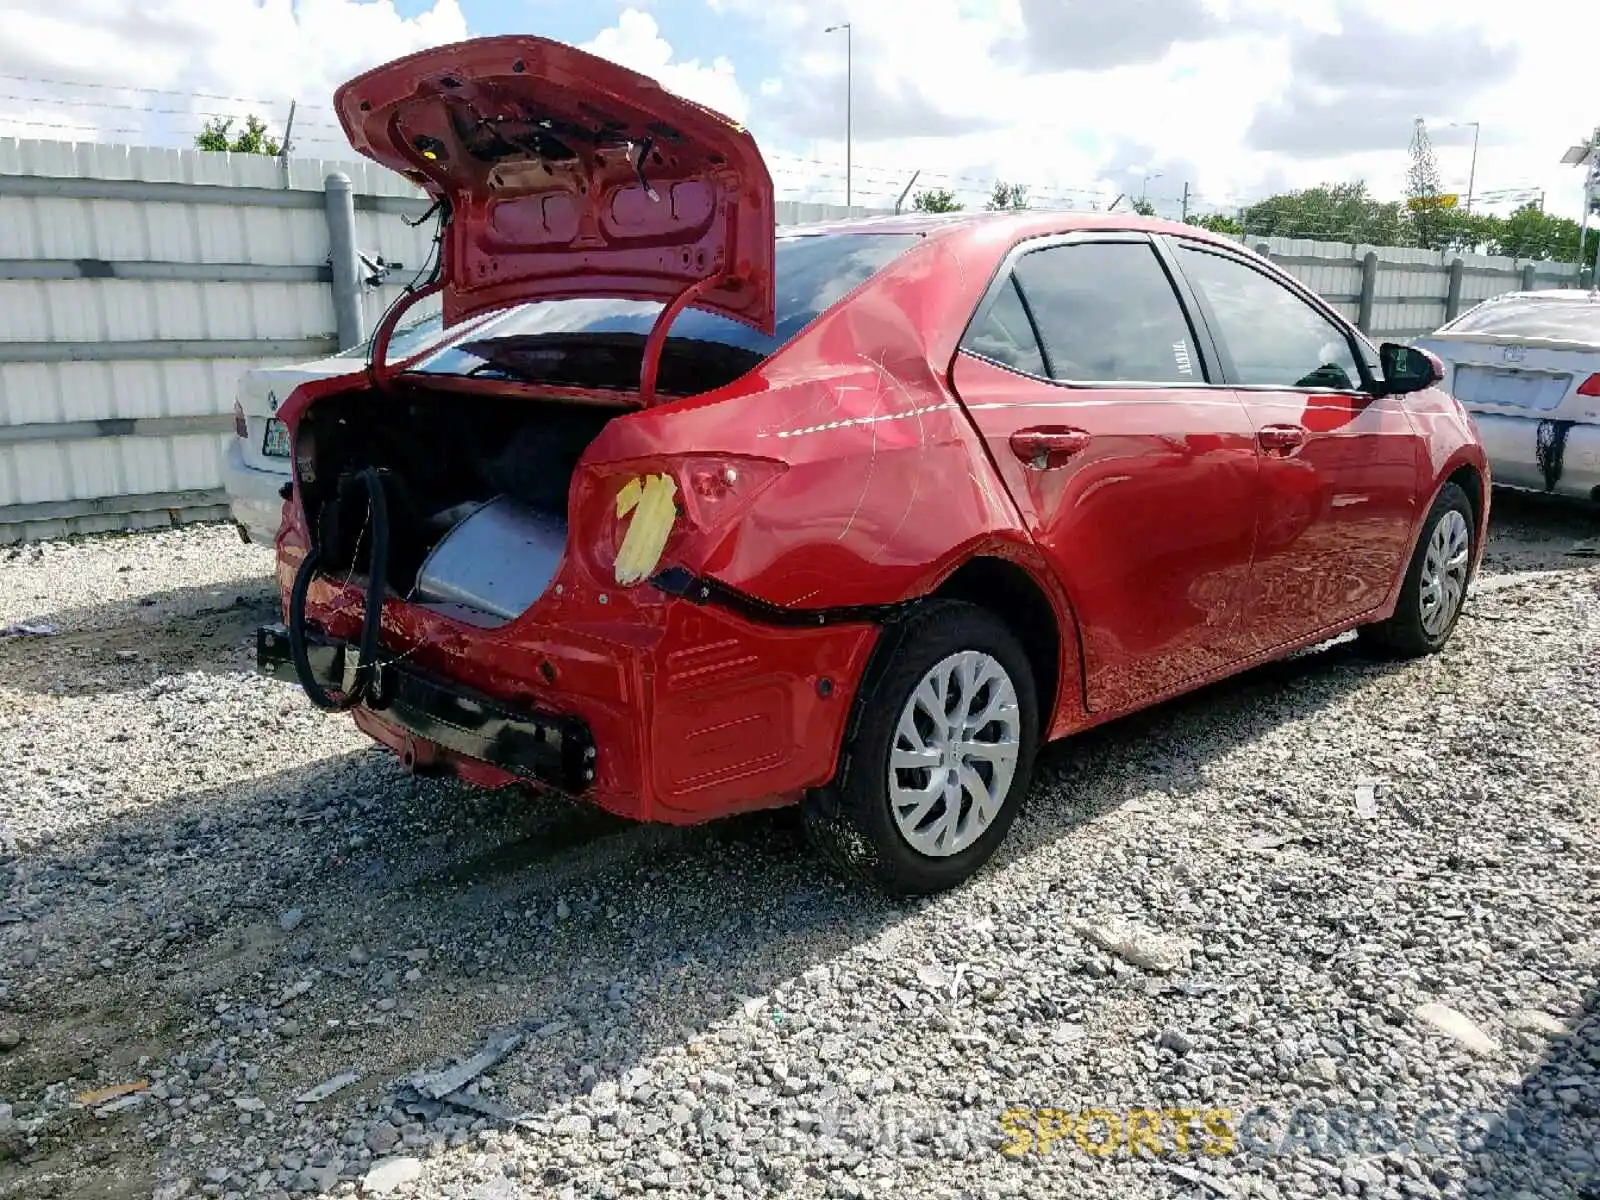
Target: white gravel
x=210 y=889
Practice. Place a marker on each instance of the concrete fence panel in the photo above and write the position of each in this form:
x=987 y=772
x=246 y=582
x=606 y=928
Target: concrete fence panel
x=137 y=284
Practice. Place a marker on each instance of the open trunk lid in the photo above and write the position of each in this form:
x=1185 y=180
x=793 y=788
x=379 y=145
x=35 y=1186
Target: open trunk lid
x=566 y=175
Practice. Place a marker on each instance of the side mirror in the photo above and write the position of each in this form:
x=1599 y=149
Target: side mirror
x=1407 y=369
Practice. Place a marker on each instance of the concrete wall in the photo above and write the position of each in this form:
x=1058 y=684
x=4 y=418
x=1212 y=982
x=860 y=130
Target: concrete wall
x=1409 y=291
x=137 y=284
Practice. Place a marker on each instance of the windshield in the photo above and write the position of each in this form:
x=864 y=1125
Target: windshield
x=600 y=342
x=1567 y=319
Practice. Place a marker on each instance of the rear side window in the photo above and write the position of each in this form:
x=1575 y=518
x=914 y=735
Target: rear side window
x=1274 y=338
x=1006 y=336
x=1563 y=320
x=1106 y=313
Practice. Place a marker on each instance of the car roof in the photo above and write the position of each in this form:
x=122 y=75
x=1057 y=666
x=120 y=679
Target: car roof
x=1553 y=295
x=1020 y=224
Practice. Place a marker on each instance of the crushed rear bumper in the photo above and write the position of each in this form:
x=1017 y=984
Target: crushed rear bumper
x=537 y=747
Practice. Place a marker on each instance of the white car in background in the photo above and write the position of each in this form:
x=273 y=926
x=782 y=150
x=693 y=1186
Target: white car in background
x=255 y=465
x=1526 y=365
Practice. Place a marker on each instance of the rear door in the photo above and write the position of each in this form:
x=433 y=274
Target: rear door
x=1136 y=476
x=1339 y=467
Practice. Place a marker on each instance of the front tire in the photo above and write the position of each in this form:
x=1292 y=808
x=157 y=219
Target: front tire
x=942 y=755
x=1435 y=587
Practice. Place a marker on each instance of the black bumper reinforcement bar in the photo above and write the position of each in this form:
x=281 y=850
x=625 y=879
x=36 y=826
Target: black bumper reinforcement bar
x=554 y=750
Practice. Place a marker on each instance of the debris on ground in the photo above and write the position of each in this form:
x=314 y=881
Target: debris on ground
x=327 y=1088
x=99 y=1096
x=1458 y=1026
x=1139 y=945
x=38 y=630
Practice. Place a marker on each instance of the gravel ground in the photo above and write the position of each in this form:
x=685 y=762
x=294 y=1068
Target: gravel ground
x=1246 y=900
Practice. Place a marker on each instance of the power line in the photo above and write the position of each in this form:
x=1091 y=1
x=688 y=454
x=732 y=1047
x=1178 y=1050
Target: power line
x=125 y=87
x=153 y=112
x=797 y=172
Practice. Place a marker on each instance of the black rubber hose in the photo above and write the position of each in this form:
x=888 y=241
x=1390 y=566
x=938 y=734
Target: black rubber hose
x=372 y=614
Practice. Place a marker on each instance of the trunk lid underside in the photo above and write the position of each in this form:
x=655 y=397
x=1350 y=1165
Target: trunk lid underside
x=566 y=175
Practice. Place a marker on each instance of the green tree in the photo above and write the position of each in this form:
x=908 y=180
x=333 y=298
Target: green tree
x=1217 y=223
x=1530 y=232
x=935 y=200
x=1339 y=212
x=1466 y=232
x=1142 y=206
x=1007 y=196
x=1430 y=219
x=253 y=139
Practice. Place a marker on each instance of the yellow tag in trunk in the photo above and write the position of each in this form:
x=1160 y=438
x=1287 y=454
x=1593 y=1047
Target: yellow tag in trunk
x=652 y=503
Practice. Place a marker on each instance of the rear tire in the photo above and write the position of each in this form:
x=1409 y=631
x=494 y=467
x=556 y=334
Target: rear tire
x=1435 y=587
x=942 y=755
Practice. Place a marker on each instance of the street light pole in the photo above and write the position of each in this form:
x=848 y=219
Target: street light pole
x=1472 y=171
x=849 y=122
x=1587 y=154
x=914 y=176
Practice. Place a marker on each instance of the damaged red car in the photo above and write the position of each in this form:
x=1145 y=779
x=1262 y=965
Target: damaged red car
x=705 y=517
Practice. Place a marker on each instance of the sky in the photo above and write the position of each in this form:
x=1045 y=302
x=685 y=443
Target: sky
x=1080 y=100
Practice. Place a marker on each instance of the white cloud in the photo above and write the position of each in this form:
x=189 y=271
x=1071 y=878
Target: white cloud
x=949 y=87
x=941 y=85
x=264 y=52
x=635 y=42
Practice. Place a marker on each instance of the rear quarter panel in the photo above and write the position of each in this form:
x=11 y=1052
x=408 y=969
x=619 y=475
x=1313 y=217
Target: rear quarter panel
x=888 y=487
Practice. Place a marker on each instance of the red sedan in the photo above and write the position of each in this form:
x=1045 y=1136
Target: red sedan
x=704 y=519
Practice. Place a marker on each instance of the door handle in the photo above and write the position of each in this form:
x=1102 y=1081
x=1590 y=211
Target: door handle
x=1047 y=446
x=1280 y=439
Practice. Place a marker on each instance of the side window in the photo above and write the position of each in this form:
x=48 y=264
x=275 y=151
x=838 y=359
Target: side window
x=1273 y=336
x=1107 y=314
x=1006 y=335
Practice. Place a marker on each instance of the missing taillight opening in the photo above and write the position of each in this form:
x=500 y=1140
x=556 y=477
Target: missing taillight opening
x=658 y=508
x=303 y=448
x=649 y=507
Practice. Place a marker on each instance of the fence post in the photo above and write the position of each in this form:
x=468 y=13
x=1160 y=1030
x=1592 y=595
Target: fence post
x=1452 y=301
x=1369 y=289
x=1264 y=250
x=340 y=198
x=1527 y=277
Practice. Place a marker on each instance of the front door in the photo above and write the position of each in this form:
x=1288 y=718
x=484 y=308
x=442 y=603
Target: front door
x=1338 y=465
x=1137 y=479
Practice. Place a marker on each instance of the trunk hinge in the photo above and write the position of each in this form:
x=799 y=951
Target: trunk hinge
x=657 y=340
x=379 y=372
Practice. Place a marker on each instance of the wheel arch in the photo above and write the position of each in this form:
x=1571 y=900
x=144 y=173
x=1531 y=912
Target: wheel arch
x=1024 y=595
x=1475 y=484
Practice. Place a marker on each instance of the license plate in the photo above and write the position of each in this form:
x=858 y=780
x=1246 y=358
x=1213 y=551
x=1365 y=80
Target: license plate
x=276 y=442
x=1537 y=390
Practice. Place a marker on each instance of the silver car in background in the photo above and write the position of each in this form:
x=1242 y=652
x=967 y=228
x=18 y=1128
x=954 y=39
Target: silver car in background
x=1526 y=365
x=255 y=465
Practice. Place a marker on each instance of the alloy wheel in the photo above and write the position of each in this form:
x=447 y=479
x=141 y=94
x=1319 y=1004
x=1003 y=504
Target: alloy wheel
x=1444 y=573
x=954 y=753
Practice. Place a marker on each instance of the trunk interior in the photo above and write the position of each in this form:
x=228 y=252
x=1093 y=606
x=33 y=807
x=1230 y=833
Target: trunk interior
x=476 y=491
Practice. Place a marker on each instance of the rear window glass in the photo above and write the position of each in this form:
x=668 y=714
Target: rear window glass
x=600 y=342
x=1564 y=320
x=410 y=338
